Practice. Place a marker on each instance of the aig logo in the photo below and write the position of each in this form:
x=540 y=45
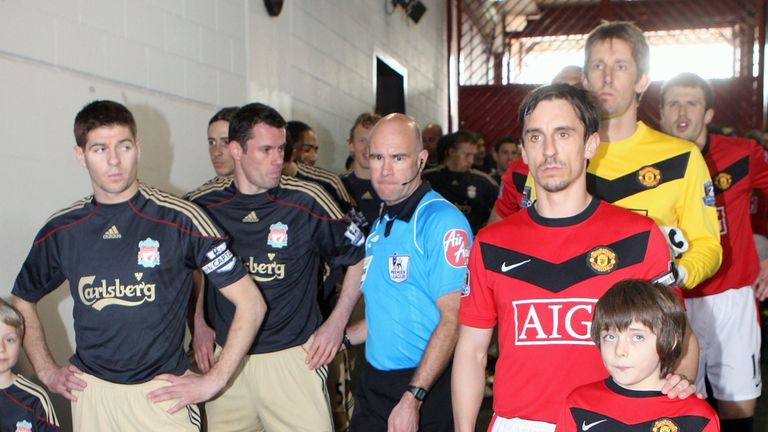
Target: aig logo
x=553 y=321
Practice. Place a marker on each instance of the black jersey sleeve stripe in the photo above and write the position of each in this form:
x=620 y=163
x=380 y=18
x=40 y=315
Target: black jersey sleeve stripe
x=737 y=170
x=317 y=193
x=518 y=179
x=629 y=184
x=40 y=394
x=329 y=178
x=556 y=277
x=200 y=220
x=603 y=423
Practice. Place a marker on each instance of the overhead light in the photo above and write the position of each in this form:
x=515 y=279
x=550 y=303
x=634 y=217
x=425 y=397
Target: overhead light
x=415 y=9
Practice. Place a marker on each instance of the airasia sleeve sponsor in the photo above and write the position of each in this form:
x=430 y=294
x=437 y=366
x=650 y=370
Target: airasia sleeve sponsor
x=564 y=321
x=456 y=247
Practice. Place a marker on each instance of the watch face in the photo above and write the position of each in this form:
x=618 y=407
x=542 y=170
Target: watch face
x=418 y=392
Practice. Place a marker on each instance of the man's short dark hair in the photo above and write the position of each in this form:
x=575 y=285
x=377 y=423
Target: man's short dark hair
x=622 y=30
x=507 y=139
x=224 y=114
x=689 y=79
x=654 y=306
x=581 y=100
x=102 y=113
x=366 y=120
x=249 y=116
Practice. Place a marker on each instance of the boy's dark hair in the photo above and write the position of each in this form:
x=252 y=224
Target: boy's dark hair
x=249 y=116
x=224 y=114
x=654 y=306
x=11 y=317
x=581 y=100
x=102 y=113
x=688 y=79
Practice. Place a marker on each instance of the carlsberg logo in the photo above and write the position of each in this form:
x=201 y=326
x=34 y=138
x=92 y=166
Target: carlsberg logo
x=104 y=294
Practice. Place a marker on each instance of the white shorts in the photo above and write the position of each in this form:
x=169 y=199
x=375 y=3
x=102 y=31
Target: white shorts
x=728 y=328
x=516 y=424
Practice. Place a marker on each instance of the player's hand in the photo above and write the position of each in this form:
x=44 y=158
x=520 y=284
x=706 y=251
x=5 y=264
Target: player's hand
x=325 y=343
x=676 y=241
x=405 y=416
x=62 y=380
x=187 y=389
x=678 y=386
x=761 y=283
x=204 y=344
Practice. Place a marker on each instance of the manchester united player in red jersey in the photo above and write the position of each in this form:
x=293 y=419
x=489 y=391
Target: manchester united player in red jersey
x=539 y=272
x=722 y=310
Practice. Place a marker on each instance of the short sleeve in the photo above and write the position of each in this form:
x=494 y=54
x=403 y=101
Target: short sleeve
x=478 y=303
x=41 y=272
x=446 y=243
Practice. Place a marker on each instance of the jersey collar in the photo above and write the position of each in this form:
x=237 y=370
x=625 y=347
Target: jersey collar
x=611 y=384
x=566 y=221
x=404 y=210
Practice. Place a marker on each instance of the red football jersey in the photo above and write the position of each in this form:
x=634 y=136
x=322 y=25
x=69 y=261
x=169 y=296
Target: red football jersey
x=540 y=279
x=604 y=406
x=737 y=166
x=511 y=192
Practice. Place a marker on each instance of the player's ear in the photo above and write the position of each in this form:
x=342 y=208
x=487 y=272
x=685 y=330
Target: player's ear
x=79 y=154
x=591 y=145
x=708 y=115
x=235 y=150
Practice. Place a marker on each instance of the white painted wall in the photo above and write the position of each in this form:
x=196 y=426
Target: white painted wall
x=174 y=63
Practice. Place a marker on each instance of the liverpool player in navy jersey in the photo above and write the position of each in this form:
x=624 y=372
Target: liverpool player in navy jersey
x=128 y=253
x=722 y=309
x=24 y=406
x=280 y=228
x=218 y=141
x=471 y=191
x=358 y=179
x=538 y=273
x=638 y=328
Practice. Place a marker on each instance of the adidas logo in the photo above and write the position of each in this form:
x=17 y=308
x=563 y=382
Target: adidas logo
x=455 y=183
x=367 y=195
x=251 y=217
x=112 y=233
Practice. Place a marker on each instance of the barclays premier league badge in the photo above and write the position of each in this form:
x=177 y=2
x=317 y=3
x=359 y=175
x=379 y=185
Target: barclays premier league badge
x=149 y=253
x=398 y=268
x=278 y=235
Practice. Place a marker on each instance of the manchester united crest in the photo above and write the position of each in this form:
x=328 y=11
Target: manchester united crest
x=602 y=260
x=278 y=235
x=723 y=181
x=664 y=425
x=149 y=253
x=649 y=176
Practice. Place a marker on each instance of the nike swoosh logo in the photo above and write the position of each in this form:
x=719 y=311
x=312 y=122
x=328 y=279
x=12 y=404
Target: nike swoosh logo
x=585 y=427
x=505 y=268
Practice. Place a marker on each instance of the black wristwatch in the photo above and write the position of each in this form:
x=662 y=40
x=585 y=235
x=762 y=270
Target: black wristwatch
x=346 y=342
x=417 y=392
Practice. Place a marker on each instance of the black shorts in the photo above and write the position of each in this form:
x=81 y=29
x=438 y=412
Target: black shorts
x=378 y=392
